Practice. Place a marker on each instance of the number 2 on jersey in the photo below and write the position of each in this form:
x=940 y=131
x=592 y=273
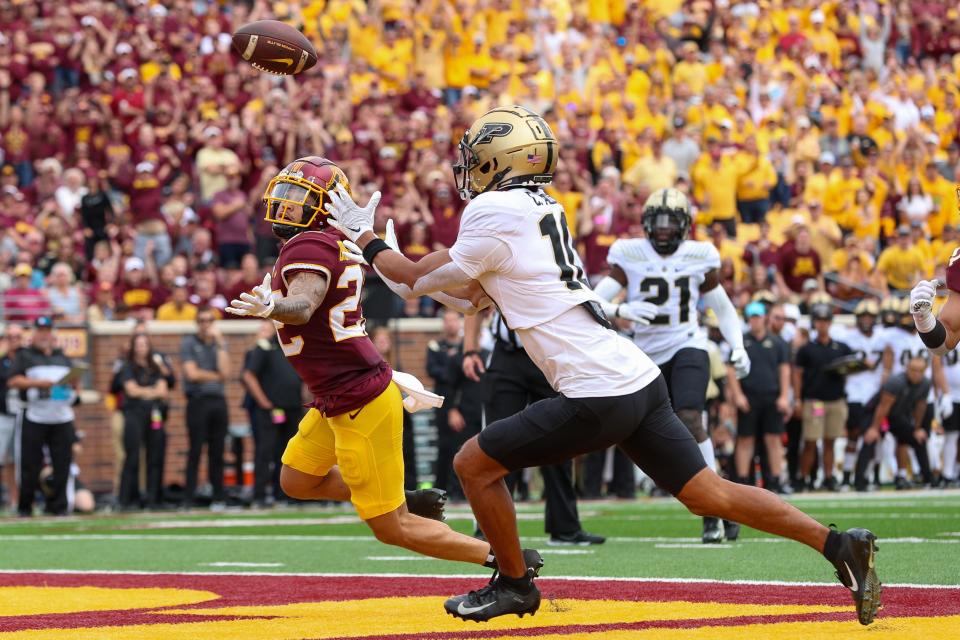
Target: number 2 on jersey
x=555 y=228
x=661 y=289
x=338 y=314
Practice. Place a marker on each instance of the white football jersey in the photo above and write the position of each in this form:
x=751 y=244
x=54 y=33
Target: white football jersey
x=951 y=371
x=672 y=283
x=860 y=387
x=905 y=345
x=538 y=284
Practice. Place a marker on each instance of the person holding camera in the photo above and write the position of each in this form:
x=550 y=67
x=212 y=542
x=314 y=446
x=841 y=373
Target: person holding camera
x=39 y=373
x=145 y=390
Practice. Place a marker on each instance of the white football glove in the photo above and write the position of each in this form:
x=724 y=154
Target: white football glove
x=922 y=295
x=353 y=252
x=945 y=405
x=741 y=363
x=639 y=311
x=258 y=303
x=349 y=217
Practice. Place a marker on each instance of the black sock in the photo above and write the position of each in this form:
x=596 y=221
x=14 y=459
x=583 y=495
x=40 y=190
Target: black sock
x=520 y=585
x=491 y=562
x=832 y=546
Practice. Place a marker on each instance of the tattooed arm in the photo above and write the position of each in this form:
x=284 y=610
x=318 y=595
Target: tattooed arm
x=304 y=294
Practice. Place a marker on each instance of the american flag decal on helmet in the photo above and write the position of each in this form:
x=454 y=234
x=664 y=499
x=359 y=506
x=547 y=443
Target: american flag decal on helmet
x=534 y=158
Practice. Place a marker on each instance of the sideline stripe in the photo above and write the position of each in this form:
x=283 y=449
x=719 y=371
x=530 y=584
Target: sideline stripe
x=140 y=537
x=461 y=576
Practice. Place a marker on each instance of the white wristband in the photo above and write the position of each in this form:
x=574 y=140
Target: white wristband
x=925 y=321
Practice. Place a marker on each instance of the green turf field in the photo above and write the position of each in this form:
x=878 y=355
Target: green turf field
x=919 y=542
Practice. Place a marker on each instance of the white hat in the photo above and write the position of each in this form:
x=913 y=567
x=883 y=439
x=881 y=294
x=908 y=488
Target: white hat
x=803 y=122
x=158 y=10
x=926 y=111
x=132 y=263
x=388 y=152
x=209 y=132
x=88 y=21
x=123 y=48
x=817 y=17
x=725 y=124
x=128 y=73
x=828 y=158
x=144 y=166
x=791 y=312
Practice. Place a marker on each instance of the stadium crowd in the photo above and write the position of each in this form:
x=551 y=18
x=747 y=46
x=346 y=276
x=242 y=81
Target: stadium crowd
x=819 y=142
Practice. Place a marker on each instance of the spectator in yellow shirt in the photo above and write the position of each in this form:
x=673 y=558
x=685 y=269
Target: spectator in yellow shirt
x=690 y=71
x=753 y=187
x=901 y=264
x=652 y=170
x=715 y=177
x=178 y=307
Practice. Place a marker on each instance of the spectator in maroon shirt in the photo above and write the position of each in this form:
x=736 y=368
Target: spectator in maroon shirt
x=762 y=251
x=136 y=292
x=798 y=263
x=231 y=214
x=144 y=186
x=445 y=208
x=418 y=95
x=205 y=290
x=21 y=302
x=128 y=99
x=794 y=38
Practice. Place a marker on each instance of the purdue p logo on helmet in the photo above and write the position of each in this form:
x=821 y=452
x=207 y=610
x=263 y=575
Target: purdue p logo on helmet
x=506 y=147
x=666 y=219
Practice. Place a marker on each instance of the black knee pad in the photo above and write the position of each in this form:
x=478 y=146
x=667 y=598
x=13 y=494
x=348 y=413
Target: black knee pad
x=693 y=420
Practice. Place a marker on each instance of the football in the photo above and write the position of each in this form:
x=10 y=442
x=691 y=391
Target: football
x=275 y=47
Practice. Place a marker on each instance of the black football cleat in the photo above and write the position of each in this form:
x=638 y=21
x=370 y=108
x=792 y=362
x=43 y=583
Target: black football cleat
x=427 y=503
x=855 y=569
x=731 y=531
x=494 y=600
x=712 y=531
x=531 y=558
x=579 y=539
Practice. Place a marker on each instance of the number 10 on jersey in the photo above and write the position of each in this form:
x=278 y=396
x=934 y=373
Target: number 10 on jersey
x=554 y=227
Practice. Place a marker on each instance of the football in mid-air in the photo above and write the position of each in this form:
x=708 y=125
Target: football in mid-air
x=275 y=47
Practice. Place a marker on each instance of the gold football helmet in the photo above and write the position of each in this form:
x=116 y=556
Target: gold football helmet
x=867 y=307
x=506 y=147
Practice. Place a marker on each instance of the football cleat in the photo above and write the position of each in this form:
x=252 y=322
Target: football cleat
x=731 y=531
x=531 y=558
x=855 y=570
x=579 y=539
x=427 y=503
x=712 y=532
x=495 y=599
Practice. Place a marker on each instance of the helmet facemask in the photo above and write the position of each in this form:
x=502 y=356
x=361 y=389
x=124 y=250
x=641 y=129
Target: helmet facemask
x=292 y=205
x=461 y=170
x=666 y=228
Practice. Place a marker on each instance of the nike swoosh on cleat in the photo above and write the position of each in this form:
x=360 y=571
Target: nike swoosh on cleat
x=462 y=610
x=854 y=585
x=286 y=61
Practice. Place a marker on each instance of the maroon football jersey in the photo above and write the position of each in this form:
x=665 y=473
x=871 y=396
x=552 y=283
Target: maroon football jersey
x=953 y=271
x=332 y=353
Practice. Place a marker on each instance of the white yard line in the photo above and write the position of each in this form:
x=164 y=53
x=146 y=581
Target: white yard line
x=459 y=577
x=692 y=545
x=241 y=564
